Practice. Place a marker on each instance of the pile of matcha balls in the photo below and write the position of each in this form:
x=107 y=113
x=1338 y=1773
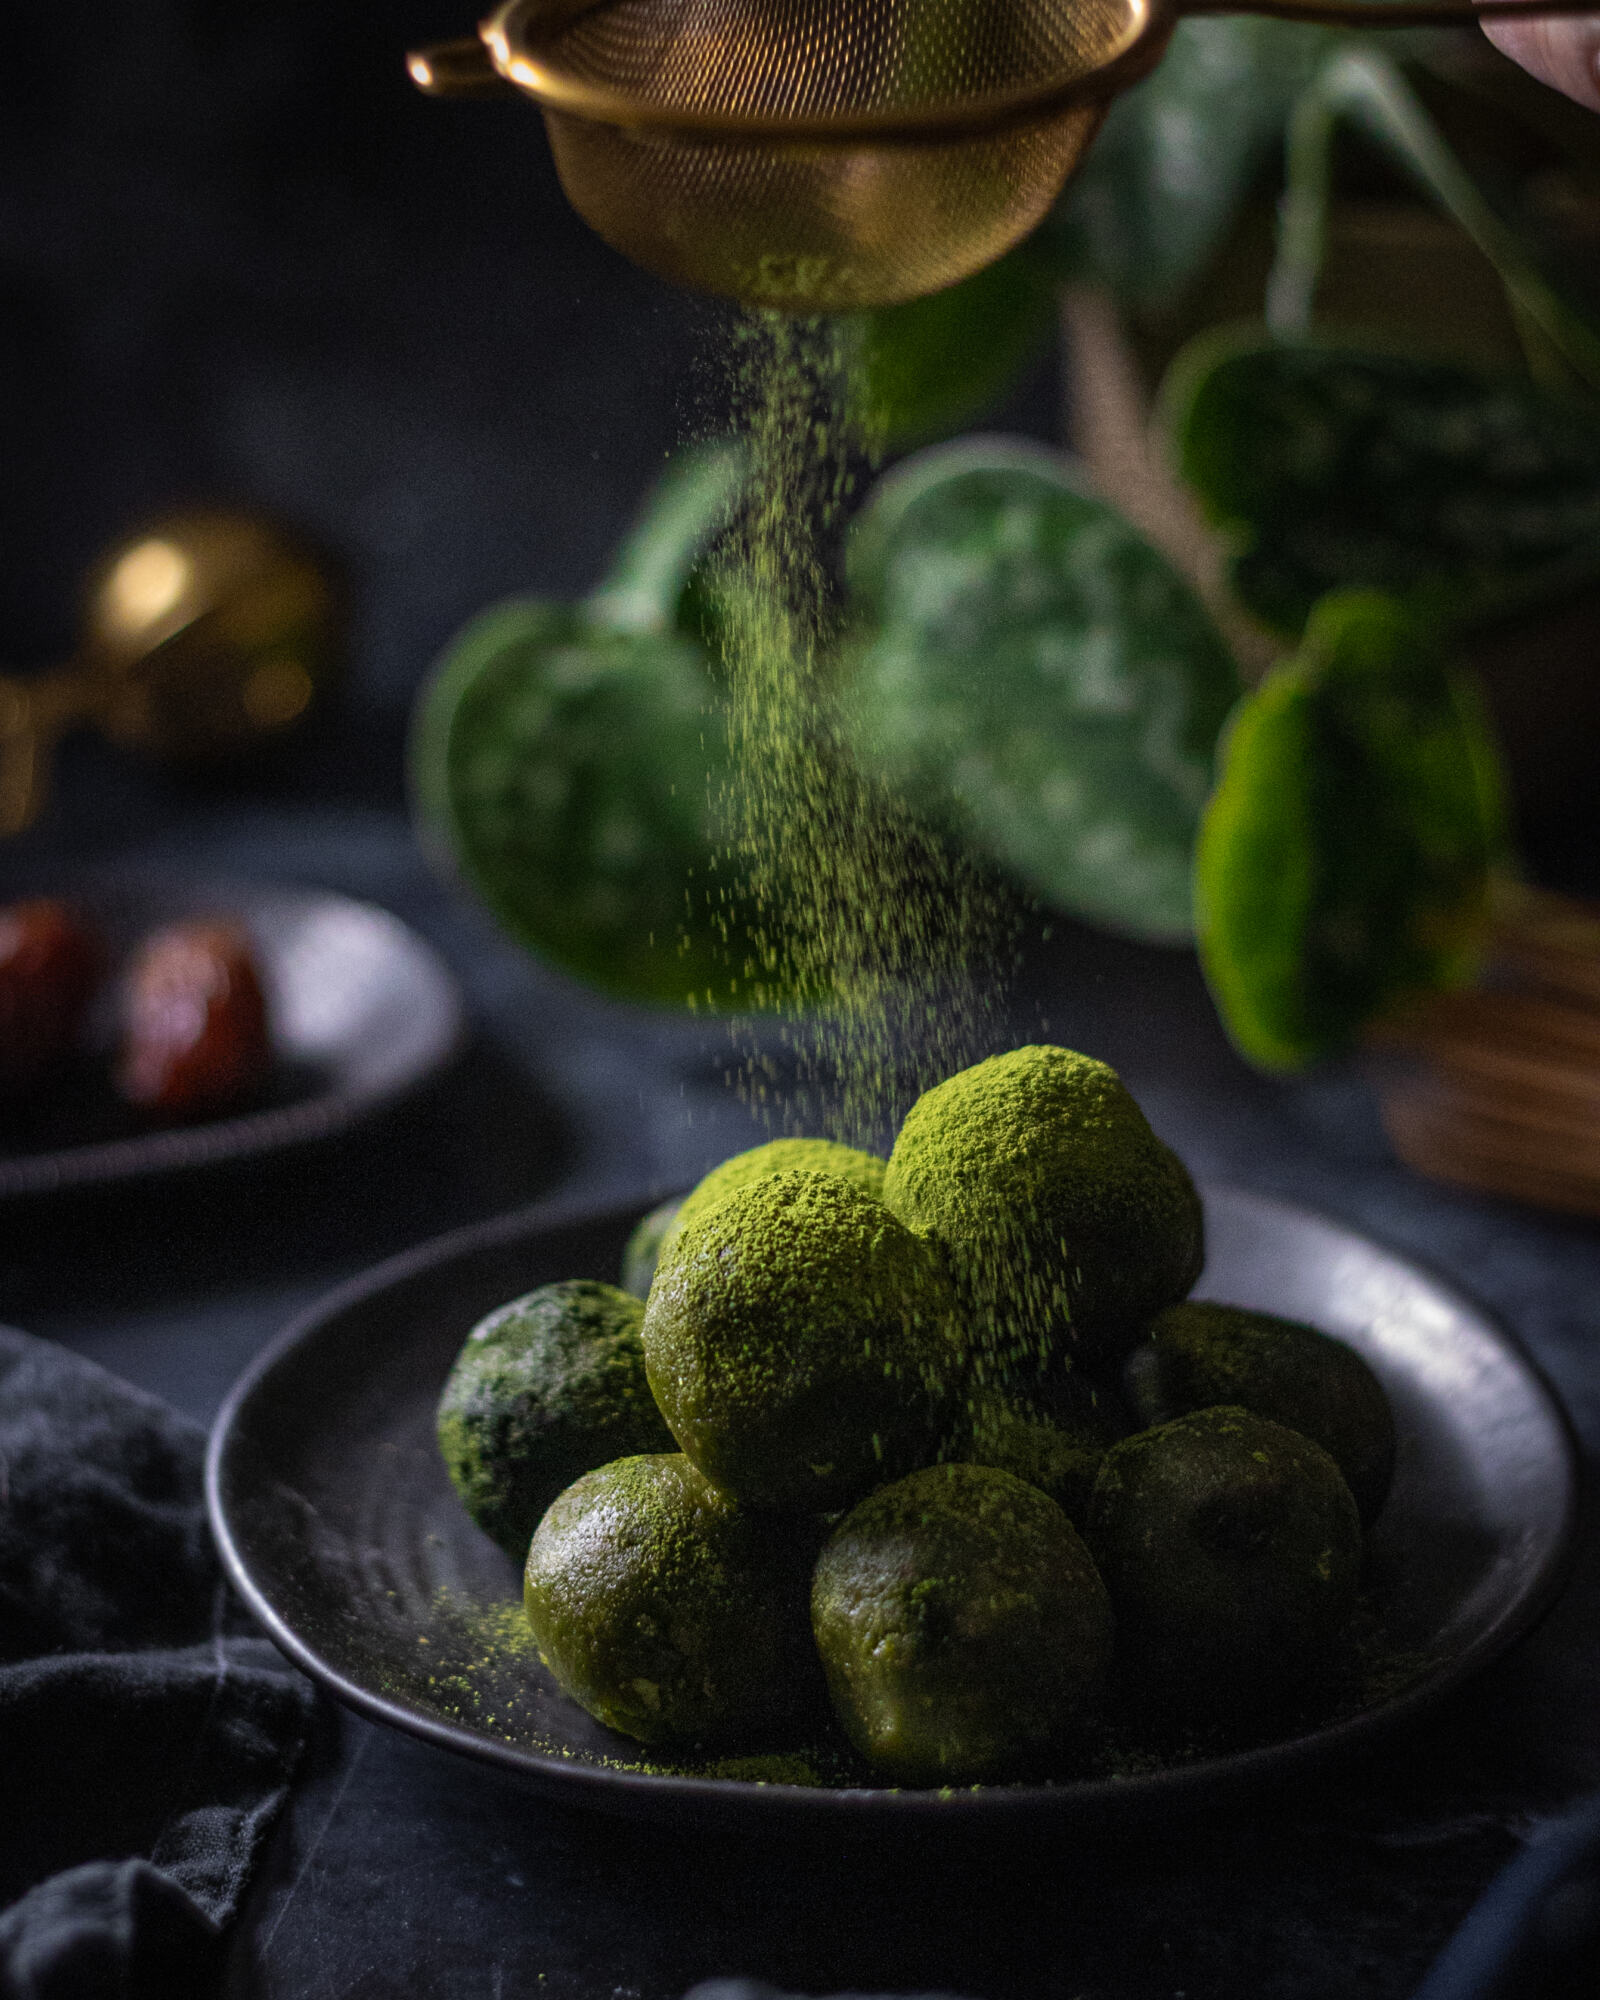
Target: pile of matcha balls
x=938 y=1441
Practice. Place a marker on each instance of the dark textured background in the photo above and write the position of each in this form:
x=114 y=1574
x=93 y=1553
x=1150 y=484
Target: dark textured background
x=240 y=255
x=239 y=258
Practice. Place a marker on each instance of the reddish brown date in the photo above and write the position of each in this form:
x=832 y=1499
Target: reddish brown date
x=50 y=962
x=194 y=1022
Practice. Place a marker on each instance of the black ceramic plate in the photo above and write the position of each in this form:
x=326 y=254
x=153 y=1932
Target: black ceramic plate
x=361 y=1010
x=340 y=1527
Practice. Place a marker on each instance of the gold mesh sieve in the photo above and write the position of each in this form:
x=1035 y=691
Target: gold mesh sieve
x=831 y=155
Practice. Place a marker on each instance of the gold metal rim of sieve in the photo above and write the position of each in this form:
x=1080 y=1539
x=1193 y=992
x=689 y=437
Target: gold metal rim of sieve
x=524 y=47
x=522 y=39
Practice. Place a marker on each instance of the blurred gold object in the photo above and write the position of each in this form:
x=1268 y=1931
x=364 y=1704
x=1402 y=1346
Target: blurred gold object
x=1498 y=1087
x=205 y=634
x=835 y=155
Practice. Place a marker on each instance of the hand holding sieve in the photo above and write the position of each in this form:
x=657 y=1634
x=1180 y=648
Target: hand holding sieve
x=834 y=155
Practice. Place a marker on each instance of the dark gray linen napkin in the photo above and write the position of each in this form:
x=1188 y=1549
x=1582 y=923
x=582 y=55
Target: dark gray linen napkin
x=147 y=1736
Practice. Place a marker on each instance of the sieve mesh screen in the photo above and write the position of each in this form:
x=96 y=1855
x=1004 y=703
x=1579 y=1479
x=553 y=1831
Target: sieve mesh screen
x=837 y=155
x=819 y=155
x=816 y=229
x=818 y=58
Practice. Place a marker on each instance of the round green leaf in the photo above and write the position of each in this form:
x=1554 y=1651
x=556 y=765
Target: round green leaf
x=572 y=774
x=1343 y=860
x=1177 y=155
x=685 y=508
x=1468 y=496
x=1033 y=673
x=926 y=368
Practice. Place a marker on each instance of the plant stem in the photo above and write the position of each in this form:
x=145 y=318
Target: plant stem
x=1114 y=435
x=1367 y=89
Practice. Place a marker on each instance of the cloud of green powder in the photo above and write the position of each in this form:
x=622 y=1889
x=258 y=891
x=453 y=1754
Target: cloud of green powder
x=897 y=948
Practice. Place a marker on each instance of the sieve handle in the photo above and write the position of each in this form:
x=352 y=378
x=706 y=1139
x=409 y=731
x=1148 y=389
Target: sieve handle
x=457 y=69
x=479 y=65
x=1367 y=14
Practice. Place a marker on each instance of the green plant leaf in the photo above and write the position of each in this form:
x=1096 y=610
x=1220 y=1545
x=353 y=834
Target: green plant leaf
x=1176 y=156
x=681 y=515
x=930 y=366
x=1468 y=497
x=571 y=774
x=1343 y=860
x=1362 y=87
x=1032 y=673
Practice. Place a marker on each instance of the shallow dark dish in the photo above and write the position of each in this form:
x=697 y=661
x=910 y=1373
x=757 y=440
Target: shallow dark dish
x=339 y=1525
x=361 y=1011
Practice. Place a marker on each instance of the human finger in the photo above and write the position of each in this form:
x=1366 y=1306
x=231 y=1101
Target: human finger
x=1563 y=53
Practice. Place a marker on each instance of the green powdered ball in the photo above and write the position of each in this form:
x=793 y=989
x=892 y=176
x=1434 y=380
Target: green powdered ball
x=786 y=1156
x=1201 y=1354
x=760 y=1163
x=1052 y=1434
x=545 y=1388
x=1231 y=1547
x=799 y=1342
x=668 y=1611
x=963 y=1628
x=1066 y=1222
x=642 y=1251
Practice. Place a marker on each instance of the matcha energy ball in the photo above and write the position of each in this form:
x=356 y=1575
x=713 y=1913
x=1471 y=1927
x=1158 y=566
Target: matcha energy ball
x=1053 y=1434
x=778 y=1156
x=1067 y=1223
x=799 y=1342
x=1231 y=1548
x=1201 y=1354
x=545 y=1388
x=963 y=1628
x=785 y=1156
x=668 y=1611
